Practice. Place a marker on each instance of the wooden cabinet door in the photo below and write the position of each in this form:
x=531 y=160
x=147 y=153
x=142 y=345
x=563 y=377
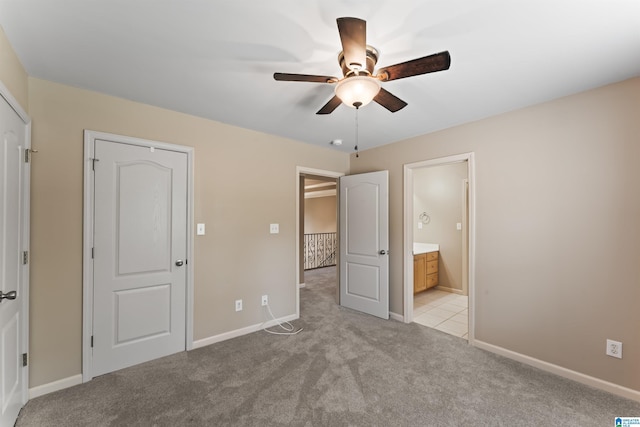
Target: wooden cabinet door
x=419 y=273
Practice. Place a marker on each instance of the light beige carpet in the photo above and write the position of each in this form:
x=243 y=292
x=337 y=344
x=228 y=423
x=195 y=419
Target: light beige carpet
x=344 y=369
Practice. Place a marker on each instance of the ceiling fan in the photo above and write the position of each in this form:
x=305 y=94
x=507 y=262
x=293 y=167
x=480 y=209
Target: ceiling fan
x=360 y=85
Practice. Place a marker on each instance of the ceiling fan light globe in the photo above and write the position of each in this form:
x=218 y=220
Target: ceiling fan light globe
x=357 y=89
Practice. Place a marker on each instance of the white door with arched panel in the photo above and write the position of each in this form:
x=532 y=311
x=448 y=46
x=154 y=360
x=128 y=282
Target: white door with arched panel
x=139 y=254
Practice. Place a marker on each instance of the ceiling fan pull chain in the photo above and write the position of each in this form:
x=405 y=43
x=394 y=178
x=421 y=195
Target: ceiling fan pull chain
x=357 y=105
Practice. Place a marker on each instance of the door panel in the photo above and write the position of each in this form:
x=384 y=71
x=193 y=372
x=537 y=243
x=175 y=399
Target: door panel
x=362 y=200
x=154 y=302
x=140 y=222
x=364 y=234
x=13 y=193
x=143 y=194
x=363 y=281
x=10 y=367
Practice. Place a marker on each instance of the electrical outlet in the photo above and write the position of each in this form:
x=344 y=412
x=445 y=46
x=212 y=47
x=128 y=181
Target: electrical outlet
x=614 y=349
x=265 y=299
x=238 y=305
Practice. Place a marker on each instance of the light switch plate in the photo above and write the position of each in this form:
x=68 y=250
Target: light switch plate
x=274 y=228
x=458 y=226
x=200 y=230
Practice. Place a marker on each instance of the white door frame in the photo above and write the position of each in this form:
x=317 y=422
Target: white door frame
x=408 y=232
x=25 y=233
x=301 y=170
x=87 y=240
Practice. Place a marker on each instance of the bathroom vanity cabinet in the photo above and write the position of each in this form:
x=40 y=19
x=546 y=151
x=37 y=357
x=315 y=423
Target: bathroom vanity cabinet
x=425 y=271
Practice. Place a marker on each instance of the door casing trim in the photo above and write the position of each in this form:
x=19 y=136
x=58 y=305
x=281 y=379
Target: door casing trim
x=87 y=238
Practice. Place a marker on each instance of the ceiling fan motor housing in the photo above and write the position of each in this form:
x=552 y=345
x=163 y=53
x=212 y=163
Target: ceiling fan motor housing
x=372 y=59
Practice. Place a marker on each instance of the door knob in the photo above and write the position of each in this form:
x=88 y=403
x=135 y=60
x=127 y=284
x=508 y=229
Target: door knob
x=8 y=295
x=383 y=252
x=179 y=263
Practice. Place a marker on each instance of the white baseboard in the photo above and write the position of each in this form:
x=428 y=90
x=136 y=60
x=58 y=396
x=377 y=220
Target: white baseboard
x=43 y=389
x=242 y=331
x=396 y=316
x=445 y=289
x=563 y=372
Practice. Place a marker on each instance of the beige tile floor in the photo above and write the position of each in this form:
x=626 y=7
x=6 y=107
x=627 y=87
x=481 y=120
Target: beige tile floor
x=444 y=311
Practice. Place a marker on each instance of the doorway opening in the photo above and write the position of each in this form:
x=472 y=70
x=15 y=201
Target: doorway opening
x=317 y=224
x=438 y=237
x=320 y=245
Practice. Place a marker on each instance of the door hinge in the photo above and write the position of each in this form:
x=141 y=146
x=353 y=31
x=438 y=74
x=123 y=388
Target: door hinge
x=24 y=359
x=91 y=341
x=25 y=257
x=92 y=253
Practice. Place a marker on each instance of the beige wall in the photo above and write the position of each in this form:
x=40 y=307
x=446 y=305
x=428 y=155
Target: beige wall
x=320 y=215
x=558 y=237
x=235 y=171
x=438 y=191
x=12 y=73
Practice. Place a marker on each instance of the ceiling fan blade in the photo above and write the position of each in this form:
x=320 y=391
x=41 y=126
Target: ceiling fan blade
x=389 y=101
x=353 y=35
x=428 y=64
x=330 y=106
x=286 y=77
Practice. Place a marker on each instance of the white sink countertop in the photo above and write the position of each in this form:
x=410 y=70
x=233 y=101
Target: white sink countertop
x=423 y=248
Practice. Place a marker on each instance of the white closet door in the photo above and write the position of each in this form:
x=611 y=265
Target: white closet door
x=140 y=245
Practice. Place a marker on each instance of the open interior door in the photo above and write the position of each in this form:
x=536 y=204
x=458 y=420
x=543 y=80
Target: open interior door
x=364 y=243
x=14 y=256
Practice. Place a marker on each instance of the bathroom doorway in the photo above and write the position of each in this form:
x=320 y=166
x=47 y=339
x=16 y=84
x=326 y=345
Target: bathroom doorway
x=438 y=230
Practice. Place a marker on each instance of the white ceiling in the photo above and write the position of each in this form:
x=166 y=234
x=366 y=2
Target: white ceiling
x=216 y=59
